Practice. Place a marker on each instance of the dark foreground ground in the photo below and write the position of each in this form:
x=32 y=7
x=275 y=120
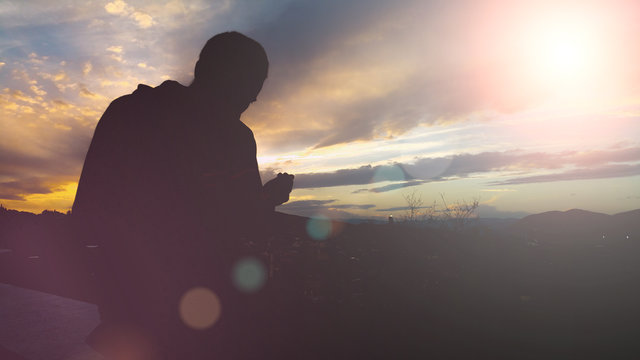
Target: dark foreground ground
x=40 y=326
x=398 y=291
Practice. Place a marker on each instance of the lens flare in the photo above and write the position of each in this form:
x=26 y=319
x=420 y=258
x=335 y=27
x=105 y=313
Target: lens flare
x=389 y=173
x=249 y=275
x=200 y=308
x=319 y=227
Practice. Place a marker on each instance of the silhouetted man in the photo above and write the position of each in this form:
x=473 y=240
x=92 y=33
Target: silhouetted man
x=169 y=187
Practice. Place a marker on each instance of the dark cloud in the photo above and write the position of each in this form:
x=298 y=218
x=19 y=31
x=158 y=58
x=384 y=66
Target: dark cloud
x=601 y=172
x=315 y=204
x=304 y=204
x=307 y=30
x=313 y=40
x=16 y=190
x=401 y=208
x=14 y=163
x=62 y=155
x=362 y=175
x=353 y=206
x=465 y=164
x=593 y=164
x=10 y=196
x=85 y=92
x=326 y=208
x=23 y=174
x=391 y=187
x=296 y=138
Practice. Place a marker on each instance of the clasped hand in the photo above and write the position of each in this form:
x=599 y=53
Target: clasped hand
x=277 y=190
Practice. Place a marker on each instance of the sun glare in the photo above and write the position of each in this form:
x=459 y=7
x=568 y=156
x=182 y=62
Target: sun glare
x=564 y=52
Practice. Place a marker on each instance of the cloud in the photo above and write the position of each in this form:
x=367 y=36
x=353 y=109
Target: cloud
x=391 y=187
x=24 y=174
x=84 y=92
x=352 y=206
x=16 y=163
x=38 y=90
x=305 y=204
x=15 y=190
x=118 y=7
x=363 y=175
x=591 y=164
x=144 y=20
x=401 y=208
x=20 y=96
x=34 y=59
x=121 y=8
x=600 y=172
x=44 y=138
x=115 y=49
x=117 y=53
x=86 y=68
x=362 y=70
x=327 y=208
x=320 y=68
x=358 y=68
x=59 y=76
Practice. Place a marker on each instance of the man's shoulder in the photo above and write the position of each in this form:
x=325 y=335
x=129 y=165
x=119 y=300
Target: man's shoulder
x=243 y=131
x=244 y=128
x=166 y=91
x=140 y=108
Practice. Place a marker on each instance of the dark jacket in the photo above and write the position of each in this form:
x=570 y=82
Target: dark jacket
x=168 y=189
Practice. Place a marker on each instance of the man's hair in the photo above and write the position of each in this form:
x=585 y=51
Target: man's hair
x=231 y=54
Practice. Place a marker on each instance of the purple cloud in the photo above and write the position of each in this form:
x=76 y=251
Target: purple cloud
x=591 y=165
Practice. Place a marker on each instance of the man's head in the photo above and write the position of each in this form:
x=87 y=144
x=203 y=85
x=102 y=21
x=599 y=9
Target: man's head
x=233 y=66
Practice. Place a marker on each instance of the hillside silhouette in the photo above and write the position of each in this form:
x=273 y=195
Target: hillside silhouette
x=401 y=291
x=576 y=221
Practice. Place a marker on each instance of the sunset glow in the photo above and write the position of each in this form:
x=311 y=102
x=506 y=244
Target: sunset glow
x=365 y=101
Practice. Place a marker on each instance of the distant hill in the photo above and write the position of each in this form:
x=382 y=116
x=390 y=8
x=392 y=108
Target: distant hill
x=628 y=217
x=576 y=221
x=25 y=231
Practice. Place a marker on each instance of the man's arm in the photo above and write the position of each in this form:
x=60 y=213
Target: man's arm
x=247 y=178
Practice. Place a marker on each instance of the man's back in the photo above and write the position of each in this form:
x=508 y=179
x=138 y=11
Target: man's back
x=159 y=194
x=169 y=187
x=155 y=157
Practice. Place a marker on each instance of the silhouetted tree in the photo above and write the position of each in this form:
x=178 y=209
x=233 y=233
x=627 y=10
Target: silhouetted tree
x=414 y=204
x=458 y=214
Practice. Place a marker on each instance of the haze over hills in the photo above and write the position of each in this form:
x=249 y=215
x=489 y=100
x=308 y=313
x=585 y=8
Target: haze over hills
x=550 y=219
x=576 y=221
x=19 y=228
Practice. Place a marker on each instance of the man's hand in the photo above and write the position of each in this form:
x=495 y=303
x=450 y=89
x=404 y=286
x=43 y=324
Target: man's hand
x=276 y=191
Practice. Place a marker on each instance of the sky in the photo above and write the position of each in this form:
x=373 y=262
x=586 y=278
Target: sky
x=527 y=106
